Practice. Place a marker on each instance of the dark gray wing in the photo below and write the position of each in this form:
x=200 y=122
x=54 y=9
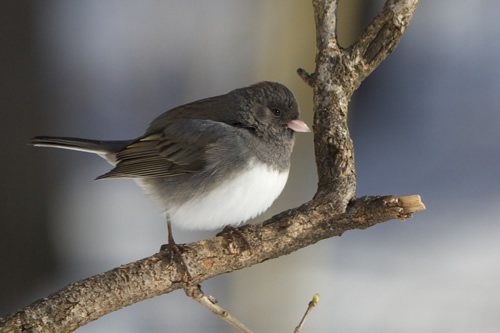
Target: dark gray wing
x=179 y=149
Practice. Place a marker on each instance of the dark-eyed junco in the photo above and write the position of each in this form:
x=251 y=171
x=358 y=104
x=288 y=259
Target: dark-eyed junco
x=212 y=163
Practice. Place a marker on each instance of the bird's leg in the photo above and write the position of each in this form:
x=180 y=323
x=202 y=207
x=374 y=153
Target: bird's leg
x=170 y=233
x=174 y=249
x=230 y=230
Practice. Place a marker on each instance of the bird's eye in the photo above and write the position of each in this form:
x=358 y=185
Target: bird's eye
x=276 y=112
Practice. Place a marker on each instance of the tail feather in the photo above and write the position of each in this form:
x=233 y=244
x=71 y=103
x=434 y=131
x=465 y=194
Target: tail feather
x=105 y=149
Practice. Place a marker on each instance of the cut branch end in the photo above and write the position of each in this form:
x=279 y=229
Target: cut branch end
x=411 y=203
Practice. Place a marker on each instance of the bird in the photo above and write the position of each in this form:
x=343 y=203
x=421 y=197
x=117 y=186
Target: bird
x=212 y=163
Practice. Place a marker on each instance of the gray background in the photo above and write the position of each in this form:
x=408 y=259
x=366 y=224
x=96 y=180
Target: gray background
x=426 y=121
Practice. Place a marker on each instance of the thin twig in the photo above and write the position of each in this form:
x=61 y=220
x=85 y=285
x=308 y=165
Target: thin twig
x=306 y=76
x=211 y=303
x=311 y=305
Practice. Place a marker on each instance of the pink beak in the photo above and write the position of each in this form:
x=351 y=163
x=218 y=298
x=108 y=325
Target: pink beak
x=298 y=126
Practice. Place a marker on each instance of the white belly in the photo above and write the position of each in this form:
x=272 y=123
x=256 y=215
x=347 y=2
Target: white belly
x=233 y=202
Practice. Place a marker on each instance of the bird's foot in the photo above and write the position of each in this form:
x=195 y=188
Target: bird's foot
x=229 y=229
x=175 y=250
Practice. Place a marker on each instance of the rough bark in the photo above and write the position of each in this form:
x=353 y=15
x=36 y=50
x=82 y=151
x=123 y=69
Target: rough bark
x=89 y=299
x=331 y=212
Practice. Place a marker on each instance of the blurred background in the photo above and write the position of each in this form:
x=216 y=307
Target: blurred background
x=425 y=122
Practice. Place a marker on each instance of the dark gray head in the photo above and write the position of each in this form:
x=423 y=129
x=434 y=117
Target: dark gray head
x=268 y=108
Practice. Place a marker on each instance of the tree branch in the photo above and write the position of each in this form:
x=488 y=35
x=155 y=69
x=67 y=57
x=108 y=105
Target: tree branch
x=339 y=72
x=380 y=38
x=211 y=304
x=332 y=211
x=310 y=306
x=89 y=299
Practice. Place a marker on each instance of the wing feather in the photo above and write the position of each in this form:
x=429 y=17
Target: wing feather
x=179 y=149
